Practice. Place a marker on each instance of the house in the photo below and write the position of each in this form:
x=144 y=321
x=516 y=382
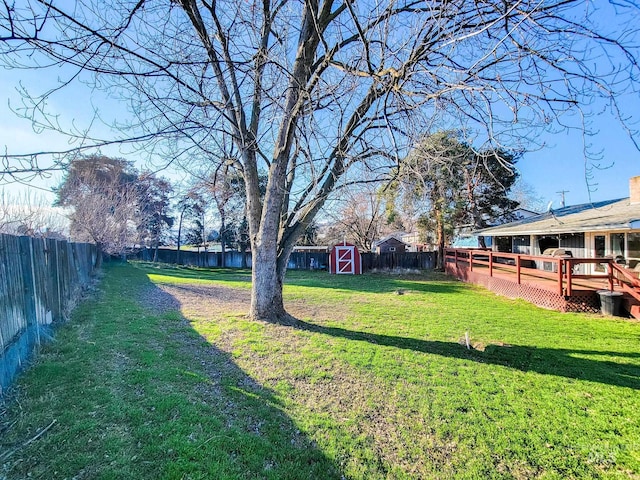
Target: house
x=606 y=229
x=465 y=238
x=390 y=244
x=415 y=243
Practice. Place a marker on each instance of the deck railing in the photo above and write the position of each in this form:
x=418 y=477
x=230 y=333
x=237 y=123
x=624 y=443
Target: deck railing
x=626 y=280
x=562 y=271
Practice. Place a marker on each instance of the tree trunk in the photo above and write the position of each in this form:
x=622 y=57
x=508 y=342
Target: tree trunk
x=266 y=289
x=441 y=240
x=223 y=237
x=179 y=233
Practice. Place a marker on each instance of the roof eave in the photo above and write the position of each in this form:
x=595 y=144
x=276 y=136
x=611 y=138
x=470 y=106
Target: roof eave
x=557 y=231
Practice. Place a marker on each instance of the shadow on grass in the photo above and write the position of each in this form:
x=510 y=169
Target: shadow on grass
x=428 y=282
x=138 y=393
x=257 y=437
x=559 y=362
x=570 y=363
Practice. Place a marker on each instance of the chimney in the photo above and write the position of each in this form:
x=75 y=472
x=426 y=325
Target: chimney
x=634 y=189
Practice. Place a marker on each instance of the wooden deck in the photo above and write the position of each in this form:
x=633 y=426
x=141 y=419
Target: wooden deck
x=559 y=286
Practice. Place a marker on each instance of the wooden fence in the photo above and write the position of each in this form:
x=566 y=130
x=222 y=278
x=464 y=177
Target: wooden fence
x=39 y=283
x=297 y=261
x=394 y=260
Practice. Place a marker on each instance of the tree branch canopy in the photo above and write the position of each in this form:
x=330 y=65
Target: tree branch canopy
x=308 y=90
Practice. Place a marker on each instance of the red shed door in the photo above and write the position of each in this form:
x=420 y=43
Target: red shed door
x=345 y=260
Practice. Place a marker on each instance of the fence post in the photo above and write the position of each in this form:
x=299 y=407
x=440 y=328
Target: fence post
x=518 y=268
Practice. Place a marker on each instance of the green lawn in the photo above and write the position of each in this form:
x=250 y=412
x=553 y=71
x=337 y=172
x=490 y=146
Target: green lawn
x=161 y=375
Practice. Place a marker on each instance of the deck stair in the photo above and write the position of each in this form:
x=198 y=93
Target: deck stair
x=630 y=286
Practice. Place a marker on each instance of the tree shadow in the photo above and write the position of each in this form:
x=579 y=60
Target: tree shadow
x=569 y=363
x=427 y=282
x=166 y=401
x=258 y=436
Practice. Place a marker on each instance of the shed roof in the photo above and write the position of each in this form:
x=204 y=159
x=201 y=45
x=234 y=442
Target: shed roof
x=607 y=215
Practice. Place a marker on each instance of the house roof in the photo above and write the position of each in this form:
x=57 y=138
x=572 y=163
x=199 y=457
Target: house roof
x=390 y=239
x=617 y=214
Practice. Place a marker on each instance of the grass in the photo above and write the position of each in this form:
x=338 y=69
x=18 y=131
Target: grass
x=370 y=384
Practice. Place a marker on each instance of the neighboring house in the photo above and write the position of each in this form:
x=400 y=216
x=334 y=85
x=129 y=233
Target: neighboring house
x=593 y=230
x=414 y=242
x=390 y=244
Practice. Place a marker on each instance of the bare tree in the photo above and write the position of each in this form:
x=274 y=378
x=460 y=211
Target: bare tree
x=224 y=185
x=362 y=219
x=104 y=200
x=527 y=197
x=31 y=214
x=190 y=207
x=316 y=92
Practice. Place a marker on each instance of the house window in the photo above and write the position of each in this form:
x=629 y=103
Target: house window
x=633 y=243
x=573 y=242
x=617 y=245
x=503 y=244
x=548 y=241
x=522 y=245
x=392 y=249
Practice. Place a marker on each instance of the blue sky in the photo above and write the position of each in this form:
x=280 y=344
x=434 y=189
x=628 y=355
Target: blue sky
x=560 y=165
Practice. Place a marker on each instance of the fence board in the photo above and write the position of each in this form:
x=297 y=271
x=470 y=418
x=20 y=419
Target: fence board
x=39 y=281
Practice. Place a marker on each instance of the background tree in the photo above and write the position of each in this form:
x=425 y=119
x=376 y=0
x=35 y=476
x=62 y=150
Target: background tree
x=318 y=92
x=459 y=186
x=31 y=214
x=103 y=197
x=226 y=188
x=191 y=209
x=362 y=218
x=310 y=236
x=229 y=193
x=156 y=219
x=195 y=235
x=527 y=197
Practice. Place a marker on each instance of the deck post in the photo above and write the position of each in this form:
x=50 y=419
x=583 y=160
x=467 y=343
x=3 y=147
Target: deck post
x=569 y=266
x=491 y=263
x=471 y=260
x=560 y=290
x=610 y=270
x=518 y=268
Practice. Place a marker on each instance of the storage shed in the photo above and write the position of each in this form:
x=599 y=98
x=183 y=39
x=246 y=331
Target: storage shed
x=345 y=259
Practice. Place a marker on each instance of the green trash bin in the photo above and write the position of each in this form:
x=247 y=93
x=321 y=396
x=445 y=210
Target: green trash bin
x=610 y=302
